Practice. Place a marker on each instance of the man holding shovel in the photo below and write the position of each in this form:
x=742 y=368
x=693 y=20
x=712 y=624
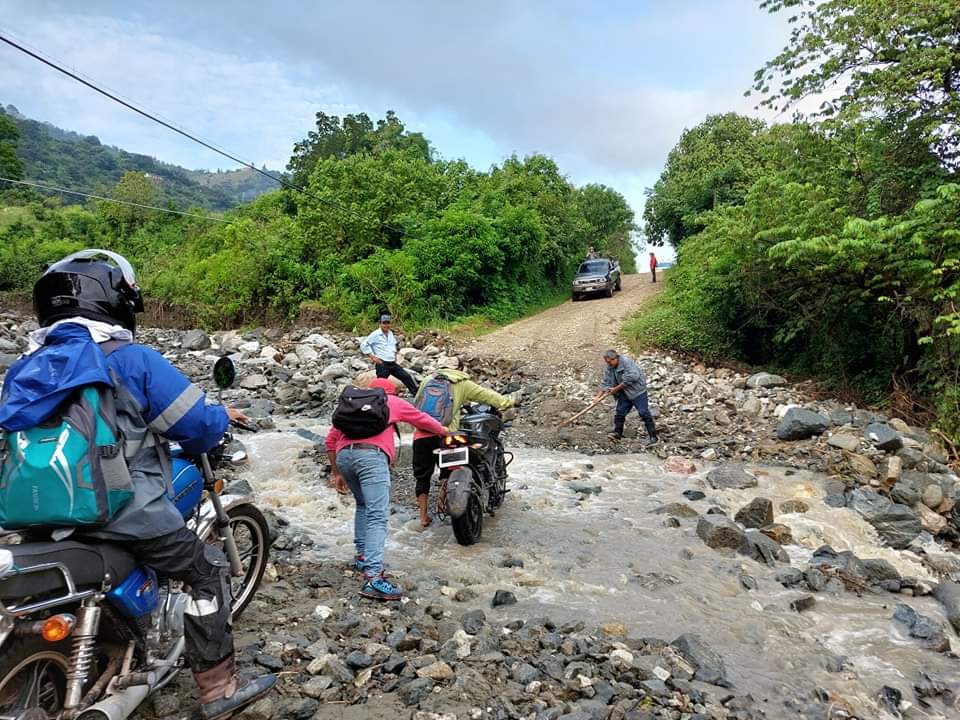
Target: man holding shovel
x=624 y=379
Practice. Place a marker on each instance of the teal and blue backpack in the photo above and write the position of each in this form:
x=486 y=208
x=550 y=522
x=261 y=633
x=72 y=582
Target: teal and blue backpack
x=436 y=399
x=68 y=471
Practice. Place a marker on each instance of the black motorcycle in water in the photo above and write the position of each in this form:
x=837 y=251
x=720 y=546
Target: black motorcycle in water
x=478 y=481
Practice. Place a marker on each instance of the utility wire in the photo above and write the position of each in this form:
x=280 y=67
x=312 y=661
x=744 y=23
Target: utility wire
x=54 y=188
x=170 y=126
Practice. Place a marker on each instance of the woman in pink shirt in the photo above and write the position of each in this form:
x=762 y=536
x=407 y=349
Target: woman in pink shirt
x=364 y=467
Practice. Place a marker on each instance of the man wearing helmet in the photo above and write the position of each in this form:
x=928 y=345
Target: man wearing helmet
x=92 y=297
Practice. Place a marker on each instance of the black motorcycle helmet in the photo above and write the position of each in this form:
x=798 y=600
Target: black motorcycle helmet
x=92 y=284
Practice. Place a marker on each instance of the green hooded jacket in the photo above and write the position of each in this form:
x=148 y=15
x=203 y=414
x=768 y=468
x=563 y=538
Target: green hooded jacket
x=466 y=390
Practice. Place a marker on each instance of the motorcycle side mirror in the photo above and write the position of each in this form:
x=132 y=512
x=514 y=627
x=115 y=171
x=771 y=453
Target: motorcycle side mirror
x=224 y=373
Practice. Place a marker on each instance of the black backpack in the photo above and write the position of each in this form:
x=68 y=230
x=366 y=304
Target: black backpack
x=362 y=412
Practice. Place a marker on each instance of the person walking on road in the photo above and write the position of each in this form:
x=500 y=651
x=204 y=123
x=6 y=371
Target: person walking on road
x=363 y=466
x=381 y=347
x=653 y=267
x=624 y=379
x=441 y=396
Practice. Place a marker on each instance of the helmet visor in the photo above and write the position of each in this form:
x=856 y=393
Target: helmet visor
x=121 y=262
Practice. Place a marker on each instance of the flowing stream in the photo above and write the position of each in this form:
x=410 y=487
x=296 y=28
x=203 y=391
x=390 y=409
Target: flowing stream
x=608 y=559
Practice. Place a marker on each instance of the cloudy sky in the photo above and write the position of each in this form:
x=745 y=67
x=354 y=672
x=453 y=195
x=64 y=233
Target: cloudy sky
x=605 y=88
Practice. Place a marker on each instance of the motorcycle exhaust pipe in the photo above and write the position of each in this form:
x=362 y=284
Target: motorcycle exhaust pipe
x=459 y=489
x=123 y=704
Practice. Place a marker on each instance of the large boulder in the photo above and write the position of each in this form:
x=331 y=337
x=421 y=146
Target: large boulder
x=195 y=340
x=731 y=477
x=757 y=514
x=948 y=593
x=336 y=371
x=764 y=549
x=896 y=524
x=800 y=423
x=719 y=531
x=883 y=437
x=765 y=380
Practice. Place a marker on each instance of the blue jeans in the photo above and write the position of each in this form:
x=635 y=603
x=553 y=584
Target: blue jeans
x=625 y=405
x=367 y=474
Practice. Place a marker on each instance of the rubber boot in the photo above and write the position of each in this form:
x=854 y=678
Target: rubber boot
x=425 y=518
x=617 y=432
x=223 y=693
x=652 y=438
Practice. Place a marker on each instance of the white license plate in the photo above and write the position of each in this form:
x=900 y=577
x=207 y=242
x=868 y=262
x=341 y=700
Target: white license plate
x=453 y=457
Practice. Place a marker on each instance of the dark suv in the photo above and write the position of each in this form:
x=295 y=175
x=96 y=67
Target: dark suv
x=596 y=276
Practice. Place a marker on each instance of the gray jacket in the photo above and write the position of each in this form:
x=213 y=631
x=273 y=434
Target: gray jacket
x=628 y=373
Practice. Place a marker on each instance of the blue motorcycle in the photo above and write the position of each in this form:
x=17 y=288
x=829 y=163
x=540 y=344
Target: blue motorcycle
x=87 y=634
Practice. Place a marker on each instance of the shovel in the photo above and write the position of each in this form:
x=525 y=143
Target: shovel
x=583 y=412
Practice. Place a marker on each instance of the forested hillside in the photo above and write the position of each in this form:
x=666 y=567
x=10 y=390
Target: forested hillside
x=64 y=158
x=829 y=245
x=381 y=224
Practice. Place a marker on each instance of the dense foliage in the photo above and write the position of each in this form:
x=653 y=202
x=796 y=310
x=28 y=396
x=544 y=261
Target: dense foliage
x=382 y=224
x=76 y=162
x=829 y=247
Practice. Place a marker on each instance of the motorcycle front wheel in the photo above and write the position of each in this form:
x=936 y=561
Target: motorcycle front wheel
x=468 y=527
x=33 y=678
x=252 y=535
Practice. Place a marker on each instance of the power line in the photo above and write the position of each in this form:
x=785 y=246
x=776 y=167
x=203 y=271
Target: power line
x=36 y=55
x=54 y=188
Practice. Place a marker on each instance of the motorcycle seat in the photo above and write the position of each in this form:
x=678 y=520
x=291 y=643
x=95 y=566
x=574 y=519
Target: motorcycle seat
x=88 y=563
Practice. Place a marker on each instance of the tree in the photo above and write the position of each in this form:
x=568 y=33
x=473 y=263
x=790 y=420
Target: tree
x=338 y=139
x=713 y=164
x=10 y=165
x=894 y=60
x=610 y=219
x=133 y=187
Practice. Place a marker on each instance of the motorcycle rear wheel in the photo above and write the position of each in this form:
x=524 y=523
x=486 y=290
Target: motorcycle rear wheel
x=33 y=678
x=252 y=535
x=468 y=527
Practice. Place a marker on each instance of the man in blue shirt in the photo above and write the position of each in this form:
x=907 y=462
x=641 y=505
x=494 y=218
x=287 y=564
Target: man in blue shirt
x=381 y=347
x=624 y=379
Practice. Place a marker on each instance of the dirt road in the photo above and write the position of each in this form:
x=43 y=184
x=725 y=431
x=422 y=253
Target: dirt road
x=570 y=335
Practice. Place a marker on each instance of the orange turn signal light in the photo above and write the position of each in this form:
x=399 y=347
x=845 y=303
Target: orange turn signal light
x=57 y=627
x=218 y=486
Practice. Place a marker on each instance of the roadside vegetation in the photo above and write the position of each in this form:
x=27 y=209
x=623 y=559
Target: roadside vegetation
x=829 y=245
x=384 y=224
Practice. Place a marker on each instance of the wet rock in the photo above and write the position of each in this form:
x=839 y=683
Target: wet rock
x=800 y=423
x=719 y=531
x=896 y=524
x=756 y=514
x=195 y=340
x=473 y=621
x=466 y=595
x=503 y=597
x=802 y=603
x=883 y=437
x=948 y=594
x=890 y=699
x=693 y=495
x=679 y=464
x=788 y=507
x=931 y=633
x=835 y=494
x=877 y=570
x=678 y=510
x=763 y=549
x=789 y=576
x=844 y=441
x=765 y=380
x=584 y=488
x=731 y=477
x=779 y=533
x=707 y=662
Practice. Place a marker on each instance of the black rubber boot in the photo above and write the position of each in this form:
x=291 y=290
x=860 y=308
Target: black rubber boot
x=617 y=432
x=652 y=438
x=224 y=694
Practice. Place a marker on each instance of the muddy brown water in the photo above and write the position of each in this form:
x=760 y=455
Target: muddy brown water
x=608 y=559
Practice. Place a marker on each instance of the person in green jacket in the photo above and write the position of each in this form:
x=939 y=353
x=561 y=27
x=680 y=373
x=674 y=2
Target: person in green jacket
x=441 y=395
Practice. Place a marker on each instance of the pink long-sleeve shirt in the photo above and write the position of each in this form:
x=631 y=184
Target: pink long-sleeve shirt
x=400 y=411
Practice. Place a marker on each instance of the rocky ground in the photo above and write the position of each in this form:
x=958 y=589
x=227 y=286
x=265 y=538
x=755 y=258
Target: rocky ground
x=430 y=657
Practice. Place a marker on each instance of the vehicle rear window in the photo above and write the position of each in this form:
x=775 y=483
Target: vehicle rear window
x=594 y=266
